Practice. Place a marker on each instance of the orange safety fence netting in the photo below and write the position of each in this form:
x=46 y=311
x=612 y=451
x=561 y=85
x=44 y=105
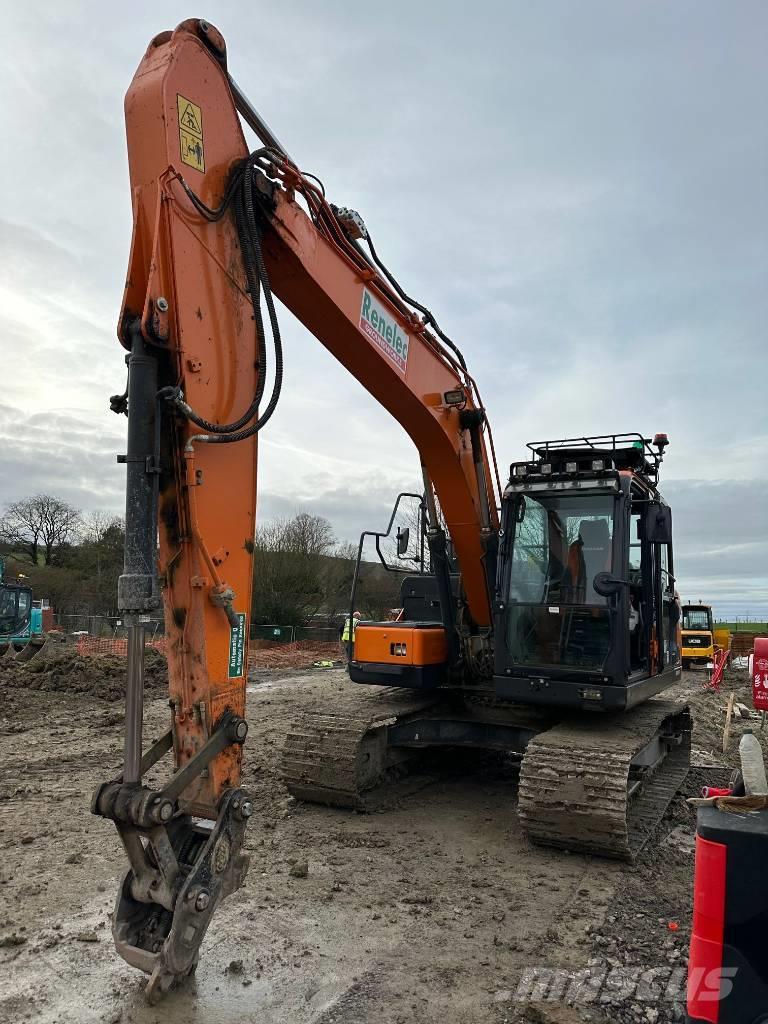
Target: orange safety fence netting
x=300 y=654
x=97 y=645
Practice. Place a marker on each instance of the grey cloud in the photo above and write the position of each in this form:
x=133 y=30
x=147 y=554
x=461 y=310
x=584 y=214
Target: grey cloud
x=59 y=454
x=721 y=549
x=350 y=513
x=719 y=515
x=32 y=259
x=576 y=190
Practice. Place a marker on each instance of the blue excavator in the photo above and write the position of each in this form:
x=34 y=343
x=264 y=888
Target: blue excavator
x=20 y=621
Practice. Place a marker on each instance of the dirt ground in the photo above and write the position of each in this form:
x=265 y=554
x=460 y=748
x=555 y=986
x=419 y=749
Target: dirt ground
x=433 y=909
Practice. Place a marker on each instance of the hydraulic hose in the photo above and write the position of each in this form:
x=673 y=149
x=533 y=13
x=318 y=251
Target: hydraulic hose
x=428 y=316
x=239 y=194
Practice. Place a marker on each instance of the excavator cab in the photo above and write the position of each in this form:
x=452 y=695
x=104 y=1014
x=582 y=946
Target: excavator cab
x=15 y=612
x=586 y=610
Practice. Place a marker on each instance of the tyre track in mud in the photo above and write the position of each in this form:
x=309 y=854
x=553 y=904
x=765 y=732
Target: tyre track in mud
x=426 y=912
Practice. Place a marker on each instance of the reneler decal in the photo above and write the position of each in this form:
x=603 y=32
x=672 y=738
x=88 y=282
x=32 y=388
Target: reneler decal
x=383 y=330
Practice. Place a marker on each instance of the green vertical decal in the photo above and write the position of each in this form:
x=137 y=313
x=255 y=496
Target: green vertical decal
x=237 y=647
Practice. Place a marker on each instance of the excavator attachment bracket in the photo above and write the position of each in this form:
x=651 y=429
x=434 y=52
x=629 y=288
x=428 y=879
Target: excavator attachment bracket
x=180 y=868
x=201 y=864
x=137 y=805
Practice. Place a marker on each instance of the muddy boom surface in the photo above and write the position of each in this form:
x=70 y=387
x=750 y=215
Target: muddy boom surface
x=593 y=783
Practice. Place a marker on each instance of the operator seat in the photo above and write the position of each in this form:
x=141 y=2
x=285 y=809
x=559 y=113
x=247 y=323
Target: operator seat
x=589 y=554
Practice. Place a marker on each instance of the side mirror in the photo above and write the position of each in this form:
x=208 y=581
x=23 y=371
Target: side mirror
x=403 y=537
x=658 y=523
x=607 y=585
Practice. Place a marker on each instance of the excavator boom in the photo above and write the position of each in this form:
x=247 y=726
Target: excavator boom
x=348 y=306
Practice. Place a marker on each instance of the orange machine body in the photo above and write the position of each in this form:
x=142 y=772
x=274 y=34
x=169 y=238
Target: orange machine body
x=399 y=643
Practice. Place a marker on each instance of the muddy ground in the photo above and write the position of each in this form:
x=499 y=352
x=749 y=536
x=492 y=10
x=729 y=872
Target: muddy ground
x=430 y=910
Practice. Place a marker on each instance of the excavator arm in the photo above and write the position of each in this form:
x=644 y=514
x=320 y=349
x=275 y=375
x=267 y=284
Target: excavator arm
x=351 y=308
x=218 y=231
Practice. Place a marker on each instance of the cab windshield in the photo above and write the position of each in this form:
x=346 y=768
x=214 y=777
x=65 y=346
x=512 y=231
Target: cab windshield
x=554 y=614
x=14 y=610
x=695 y=618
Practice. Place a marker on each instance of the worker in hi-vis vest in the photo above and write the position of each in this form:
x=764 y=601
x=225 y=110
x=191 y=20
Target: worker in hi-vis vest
x=348 y=634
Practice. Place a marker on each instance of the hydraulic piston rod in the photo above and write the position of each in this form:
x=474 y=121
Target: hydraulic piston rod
x=134 y=701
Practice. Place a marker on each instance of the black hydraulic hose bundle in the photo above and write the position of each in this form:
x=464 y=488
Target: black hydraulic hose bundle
x=239 y=193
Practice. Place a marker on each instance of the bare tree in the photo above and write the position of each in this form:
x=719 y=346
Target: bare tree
x=99 y=559
x=337 y=579
x=96 y=526
x=290 y=560
x=39 y=526
x=310 y=535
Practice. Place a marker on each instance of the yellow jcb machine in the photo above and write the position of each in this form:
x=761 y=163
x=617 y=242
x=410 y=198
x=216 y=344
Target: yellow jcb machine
x=698 y=635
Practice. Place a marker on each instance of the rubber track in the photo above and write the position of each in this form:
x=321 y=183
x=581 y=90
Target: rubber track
x=323 y=760
x=574 y=779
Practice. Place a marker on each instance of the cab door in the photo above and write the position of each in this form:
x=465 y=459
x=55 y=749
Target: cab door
x=654 y=647
x=669 y=648
x=664 y=644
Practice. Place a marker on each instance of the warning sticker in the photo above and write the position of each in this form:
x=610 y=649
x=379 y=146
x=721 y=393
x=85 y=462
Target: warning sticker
x=190 y=133
x=237 y=648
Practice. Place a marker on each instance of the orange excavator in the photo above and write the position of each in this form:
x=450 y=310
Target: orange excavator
x=547 y=618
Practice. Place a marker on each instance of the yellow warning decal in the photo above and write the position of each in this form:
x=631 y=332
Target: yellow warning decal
x=190 y=133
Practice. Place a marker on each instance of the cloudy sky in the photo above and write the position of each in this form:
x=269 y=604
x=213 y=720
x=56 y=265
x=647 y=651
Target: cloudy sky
x=577 y=189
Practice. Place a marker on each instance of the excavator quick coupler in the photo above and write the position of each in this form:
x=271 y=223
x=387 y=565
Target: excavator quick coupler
x=181 y=868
